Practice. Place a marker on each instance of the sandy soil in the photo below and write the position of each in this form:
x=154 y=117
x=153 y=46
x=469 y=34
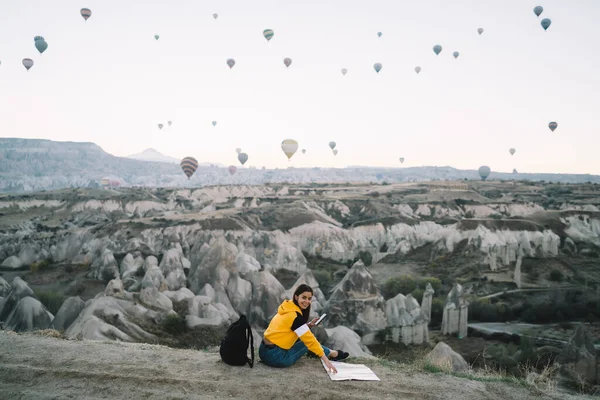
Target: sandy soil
x=38 y=367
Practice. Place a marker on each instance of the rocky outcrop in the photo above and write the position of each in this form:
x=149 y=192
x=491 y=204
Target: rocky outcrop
x=204 y=312
x=456 y=312
x=443 y=357
x=19 y=290
x=110 y=318
x=105 y=267
x=68 y=312
x=12 y=262
x=28 y=315
x=343 y=338
x=172 y=267
x=4 y=288
x=427 y=301
x=130 y=266
x=355 y=302
x=155 y=300
x=267 y=295
x=406 y=322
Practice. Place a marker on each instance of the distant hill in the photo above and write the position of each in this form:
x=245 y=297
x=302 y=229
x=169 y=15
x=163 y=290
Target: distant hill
x=37 y=164
x=156 y=156
x=153 y=155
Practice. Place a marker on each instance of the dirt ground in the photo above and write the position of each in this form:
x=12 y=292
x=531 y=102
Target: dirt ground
x=40 y=367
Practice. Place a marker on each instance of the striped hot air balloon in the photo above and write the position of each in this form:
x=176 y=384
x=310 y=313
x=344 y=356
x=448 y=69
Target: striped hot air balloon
x=232 y=169
x=287 y=61
x=27 y=63
x=546 y=22
x=156 y=37
x=268 y=34
x=86 y=13
x=231 y=63
x=289 y=147
x=552 y=125
x=189 y=166
x=243 y=157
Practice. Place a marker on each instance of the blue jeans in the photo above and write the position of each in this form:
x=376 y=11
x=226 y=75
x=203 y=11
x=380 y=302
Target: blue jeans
x=275 y=356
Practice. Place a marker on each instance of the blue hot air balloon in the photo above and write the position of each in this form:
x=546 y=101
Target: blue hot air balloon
x=377 y=67
x=437 y=49
x=538 y=10
x=40 y=44
x=546 y=22
x=484 y=172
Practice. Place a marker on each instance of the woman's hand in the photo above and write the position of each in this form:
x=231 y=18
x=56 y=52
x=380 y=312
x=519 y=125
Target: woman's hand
x=328 y=364
x=313 y=322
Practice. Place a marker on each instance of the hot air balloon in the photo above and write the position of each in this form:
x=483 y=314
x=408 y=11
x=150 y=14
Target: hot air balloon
x=484 y=172
x=437 y=49
x=86 y=13
x=552 y=126
x=215 y=16
x=515 y=171
x=335 y=152
x=546 y=23
x=40 y=44
x=238 y=150
x=289 y=147
x=512 y=151
x=379 y=34
x=303 y=151
x=401 y=160
x=455 y=54
x=156 y=37
x=287 y=61
x=27 y=63
x=268 y=34
x=232 y=169
x=480 y=30
x=344 y=71
x=169 y=122
x=214 y=123
x=332 y=145
x=243 y=157
x=377 y=67
x=417 y=69
x=231 y=63
x=160 y=126
x=538 y=10
x=189 y=166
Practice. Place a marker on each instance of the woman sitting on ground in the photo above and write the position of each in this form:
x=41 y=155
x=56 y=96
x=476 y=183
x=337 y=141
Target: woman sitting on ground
x=288 y=336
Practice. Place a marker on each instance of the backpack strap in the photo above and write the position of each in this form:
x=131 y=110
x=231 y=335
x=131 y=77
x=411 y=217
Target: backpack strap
x=251 y=361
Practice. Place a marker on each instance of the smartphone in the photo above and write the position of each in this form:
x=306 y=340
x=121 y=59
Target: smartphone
x=320 y=319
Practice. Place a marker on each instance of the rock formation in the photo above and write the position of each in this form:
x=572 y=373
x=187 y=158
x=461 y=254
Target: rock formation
x=443 y=357
x=456 y=312
x=356 y=303
x=427 y=300
x=68 y=312
x=406 y=321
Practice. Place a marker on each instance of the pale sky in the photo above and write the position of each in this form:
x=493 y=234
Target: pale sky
x=108 y=81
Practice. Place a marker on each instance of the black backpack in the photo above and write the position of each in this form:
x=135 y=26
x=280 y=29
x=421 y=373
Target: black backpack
x=234 y=346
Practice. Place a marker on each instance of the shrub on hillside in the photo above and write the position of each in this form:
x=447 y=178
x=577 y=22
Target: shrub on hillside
x=406 y=284
x=51 y=300
x=175 y=324
x=556 y=276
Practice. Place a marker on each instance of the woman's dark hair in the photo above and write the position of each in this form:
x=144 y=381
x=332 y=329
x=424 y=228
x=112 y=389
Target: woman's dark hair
x=299 y=290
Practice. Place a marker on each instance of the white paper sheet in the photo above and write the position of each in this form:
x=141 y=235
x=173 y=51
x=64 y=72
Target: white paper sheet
x=347 y=372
